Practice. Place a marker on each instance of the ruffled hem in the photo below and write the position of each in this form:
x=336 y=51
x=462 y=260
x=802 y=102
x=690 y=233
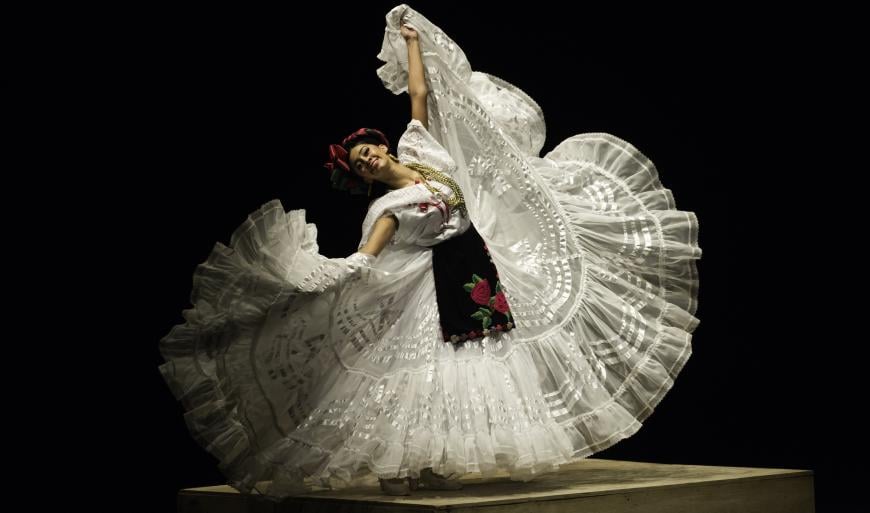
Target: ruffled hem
x=488 y=434
x=603 y=288
x=209 y=365
x=544 y=402
x=601 y=181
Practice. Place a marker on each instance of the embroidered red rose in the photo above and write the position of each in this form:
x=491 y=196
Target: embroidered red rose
x=480 y=293
x=501 y=303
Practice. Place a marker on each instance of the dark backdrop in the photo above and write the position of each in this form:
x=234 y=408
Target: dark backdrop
x=223 y=111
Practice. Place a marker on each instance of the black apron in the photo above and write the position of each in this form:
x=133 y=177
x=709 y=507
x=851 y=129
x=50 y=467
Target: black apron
x=469 y=293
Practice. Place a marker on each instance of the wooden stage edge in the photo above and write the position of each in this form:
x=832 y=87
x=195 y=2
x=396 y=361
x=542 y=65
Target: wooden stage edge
x=592 y=484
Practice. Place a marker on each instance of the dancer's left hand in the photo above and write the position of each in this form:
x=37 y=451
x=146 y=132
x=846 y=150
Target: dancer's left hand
x=408 y=33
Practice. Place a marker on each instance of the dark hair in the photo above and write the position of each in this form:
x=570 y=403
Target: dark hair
x=363 y=140
x=339 y=166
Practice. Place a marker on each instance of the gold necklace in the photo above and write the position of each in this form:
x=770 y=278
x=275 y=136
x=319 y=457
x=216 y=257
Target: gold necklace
x=428 y=173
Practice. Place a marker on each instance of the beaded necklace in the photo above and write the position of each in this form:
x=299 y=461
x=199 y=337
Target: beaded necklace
x=428 y=173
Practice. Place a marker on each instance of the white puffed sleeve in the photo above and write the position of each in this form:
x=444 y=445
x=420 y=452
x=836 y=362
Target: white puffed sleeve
x=418 y=145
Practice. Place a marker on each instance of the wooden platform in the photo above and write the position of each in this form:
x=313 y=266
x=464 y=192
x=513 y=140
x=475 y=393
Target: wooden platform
x=593 y=485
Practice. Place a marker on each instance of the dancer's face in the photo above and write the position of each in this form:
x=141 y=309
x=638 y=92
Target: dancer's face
x=369 y=160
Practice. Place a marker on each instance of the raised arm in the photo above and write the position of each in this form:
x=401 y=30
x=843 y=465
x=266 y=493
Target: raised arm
x=417 y=89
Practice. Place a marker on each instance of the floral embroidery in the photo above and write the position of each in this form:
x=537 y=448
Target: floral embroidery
x=500 y=303
x=480 y=292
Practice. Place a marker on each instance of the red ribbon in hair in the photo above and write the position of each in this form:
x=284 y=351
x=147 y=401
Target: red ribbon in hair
x=339 y=164
x=337 y=158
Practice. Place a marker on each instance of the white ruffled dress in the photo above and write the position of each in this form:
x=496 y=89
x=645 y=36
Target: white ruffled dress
x=297 y=370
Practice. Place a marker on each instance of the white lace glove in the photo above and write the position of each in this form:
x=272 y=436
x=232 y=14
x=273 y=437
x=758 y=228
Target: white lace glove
x=333 y=272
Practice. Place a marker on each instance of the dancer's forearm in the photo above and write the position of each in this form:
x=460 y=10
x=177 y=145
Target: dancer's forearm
x=416 y=78
x=382 y=232
x=417 y=89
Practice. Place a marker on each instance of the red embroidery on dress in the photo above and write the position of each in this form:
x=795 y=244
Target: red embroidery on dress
x=444 y=215
x=479 y=290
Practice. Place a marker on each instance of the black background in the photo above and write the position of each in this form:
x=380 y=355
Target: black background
x=212 y=113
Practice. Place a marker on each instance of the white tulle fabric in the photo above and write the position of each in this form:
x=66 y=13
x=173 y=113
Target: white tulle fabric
x=299 y=370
